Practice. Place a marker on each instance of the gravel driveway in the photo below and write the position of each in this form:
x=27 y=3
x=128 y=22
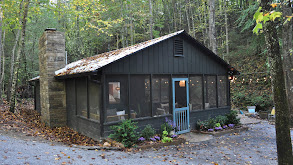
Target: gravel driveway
x=255 y=146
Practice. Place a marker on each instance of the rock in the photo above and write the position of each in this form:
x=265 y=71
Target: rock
x=106 y=144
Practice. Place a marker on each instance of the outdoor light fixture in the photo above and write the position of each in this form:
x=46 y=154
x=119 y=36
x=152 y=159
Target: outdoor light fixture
x=117 y=88
x=182 y=83
x=231 y=77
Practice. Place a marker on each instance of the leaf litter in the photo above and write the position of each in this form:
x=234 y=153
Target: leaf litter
x=28 y=121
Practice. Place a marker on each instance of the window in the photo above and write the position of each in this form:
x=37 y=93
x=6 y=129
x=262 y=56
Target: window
x=178 y=48
x=81 y=96
x=210 y=92
x=114 y=92
x=161 y=92
x=222 y=91
x=140 y=96
x=94 y=90
x=117 y=100
x=195 y=92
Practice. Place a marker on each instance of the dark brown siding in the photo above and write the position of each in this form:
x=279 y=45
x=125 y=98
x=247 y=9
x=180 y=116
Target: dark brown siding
x=159 y=59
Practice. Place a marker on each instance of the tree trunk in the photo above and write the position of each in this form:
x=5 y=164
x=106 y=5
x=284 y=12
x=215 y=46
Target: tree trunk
x=212 y=26
x=174 y=15
x=283 y=138
x=192 y=19
x=151 y=19
x=3 y=66
x=18 y=55
x=12 y=61
x=122 y=26
x=187 y=16
x=167 y=16
x=131 y=28
x=227 y=33
x=287 y=58
x=1 y=55
x=205 y=23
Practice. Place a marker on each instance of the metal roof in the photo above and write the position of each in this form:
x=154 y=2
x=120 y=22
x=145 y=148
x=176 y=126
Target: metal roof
x=98 y=61
x=93 y=63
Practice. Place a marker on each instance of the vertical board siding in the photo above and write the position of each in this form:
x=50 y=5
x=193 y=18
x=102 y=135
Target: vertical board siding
x=145 y=61
x=139 y=60
x=159 y=59
x=170 y=56
x=165 y=54
x=160 y=55
x=155 y=61
x=151 y=59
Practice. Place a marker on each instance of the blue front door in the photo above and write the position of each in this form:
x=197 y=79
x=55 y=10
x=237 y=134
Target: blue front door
x=181 y=104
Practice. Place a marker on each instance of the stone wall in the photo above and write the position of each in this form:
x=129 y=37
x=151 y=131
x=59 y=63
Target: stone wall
x=52 y=91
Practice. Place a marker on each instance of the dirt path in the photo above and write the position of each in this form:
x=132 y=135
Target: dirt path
x=255 y=146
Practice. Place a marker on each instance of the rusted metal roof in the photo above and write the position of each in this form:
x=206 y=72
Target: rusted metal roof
x=34 y=79
x=98 y=61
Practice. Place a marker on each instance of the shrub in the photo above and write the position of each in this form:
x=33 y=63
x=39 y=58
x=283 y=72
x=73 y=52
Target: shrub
x=166 y=127
x=217 y=125
x=211 y=123
x=148 y=132
x=125 y=133
x=221 y=119
x=232 y=118
x=201 y=125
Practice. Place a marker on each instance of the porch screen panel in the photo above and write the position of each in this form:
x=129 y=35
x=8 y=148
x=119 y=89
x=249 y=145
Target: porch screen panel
x=81 y=96
x=116 y=98
x=222 y=91
x=94 y=100
x=161 y=93
x=195 y=92
x=140 y=96
x=210 y=92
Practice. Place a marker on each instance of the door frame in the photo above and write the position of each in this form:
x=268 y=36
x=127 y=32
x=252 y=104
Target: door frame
x=183 y=108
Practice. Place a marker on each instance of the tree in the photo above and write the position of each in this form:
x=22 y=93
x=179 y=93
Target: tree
x=265 y=18
x=212 y=27
x=1 y=52
x=287 y=57
x=151 y=19
x=25 y=3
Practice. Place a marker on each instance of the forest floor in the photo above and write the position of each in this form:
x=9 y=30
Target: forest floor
x=20 y=144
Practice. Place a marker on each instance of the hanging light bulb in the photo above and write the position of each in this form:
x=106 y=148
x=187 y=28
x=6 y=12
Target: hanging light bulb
x=182 y=83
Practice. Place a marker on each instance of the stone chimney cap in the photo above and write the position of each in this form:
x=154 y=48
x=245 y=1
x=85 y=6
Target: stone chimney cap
x=50 y=29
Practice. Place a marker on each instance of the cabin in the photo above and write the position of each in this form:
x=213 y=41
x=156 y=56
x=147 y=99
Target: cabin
x=172 y=76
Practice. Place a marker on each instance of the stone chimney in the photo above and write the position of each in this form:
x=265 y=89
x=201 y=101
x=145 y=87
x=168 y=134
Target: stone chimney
x=52 y=91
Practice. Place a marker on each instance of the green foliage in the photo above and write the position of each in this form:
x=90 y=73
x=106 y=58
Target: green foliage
x=232 y=118
x=261 y=18
x=201 y=125
x=125 y=133
x=221 y=120
x=244 y=21
x=164 y=133
x=262 y=100
x=218 y=121
x=167 y=139
x=166 y=127
x=217 y=125
x=211 y=123
x=148 y=132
